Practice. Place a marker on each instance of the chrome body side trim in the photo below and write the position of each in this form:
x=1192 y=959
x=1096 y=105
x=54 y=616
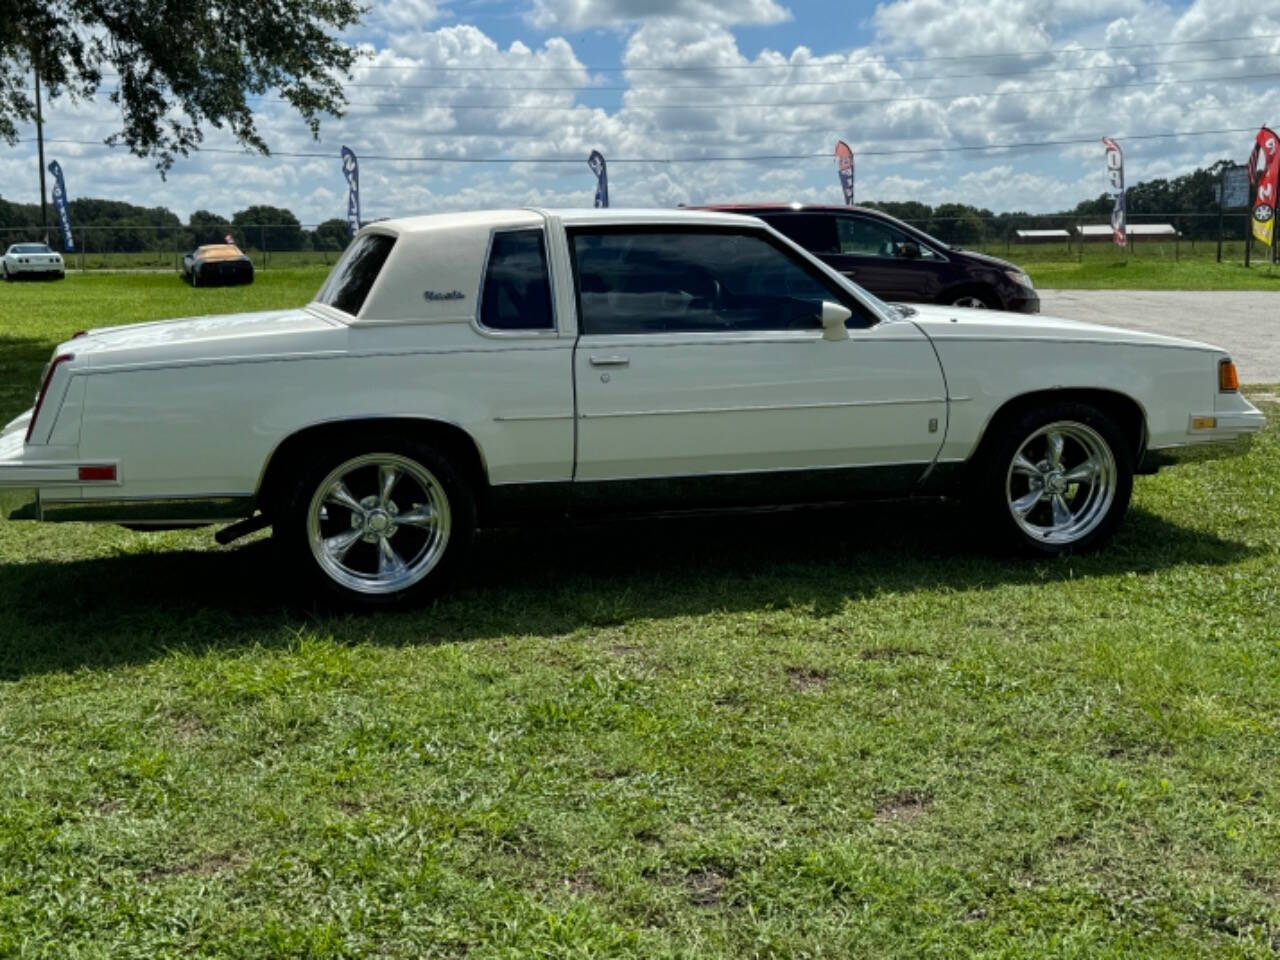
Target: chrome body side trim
x=293 y=357
x=750 y=408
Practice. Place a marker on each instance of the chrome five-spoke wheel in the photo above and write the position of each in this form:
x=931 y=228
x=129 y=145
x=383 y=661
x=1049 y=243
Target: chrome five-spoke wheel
x=378 y=523
x=1061 y=483
x=972 y=302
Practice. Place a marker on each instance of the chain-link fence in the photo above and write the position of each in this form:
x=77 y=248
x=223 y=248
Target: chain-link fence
x=1065 y=238
x=156 y=248
x=1022 y=239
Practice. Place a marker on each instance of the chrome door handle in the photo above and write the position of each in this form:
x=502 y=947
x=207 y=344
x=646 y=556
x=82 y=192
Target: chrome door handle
x=610 y=361
x=848 y=273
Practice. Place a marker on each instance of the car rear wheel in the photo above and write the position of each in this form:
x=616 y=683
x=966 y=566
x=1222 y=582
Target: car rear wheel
x=1055 y=479
x=8 y=277
x=380 y=522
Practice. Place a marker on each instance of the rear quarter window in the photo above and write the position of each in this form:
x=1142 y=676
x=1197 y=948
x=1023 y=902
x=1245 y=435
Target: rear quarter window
x=349 y=284
x=517 y=288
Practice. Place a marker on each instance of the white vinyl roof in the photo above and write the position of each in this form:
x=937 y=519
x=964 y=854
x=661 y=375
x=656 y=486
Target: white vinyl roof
x=488 y=219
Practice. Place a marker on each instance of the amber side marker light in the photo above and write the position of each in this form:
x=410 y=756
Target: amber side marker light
x=1228 y=379
x=1204 y=423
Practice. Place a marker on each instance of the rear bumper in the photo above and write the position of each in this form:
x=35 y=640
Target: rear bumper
x=213 y=273
x=25 y=474
x=35 y=269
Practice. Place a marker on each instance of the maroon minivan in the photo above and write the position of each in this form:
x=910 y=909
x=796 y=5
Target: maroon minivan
x=894 y=260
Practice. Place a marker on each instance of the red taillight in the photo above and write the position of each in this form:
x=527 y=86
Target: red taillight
x=44 y=389
x=106 y=471
x=79 y=333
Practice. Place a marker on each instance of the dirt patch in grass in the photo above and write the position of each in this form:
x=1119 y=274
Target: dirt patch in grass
x=806 y=680
x=582 y=884
x=705 y=888
x=902 y=807
x=204 y=867
x=187 y=727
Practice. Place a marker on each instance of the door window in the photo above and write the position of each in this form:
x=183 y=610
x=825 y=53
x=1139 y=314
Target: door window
x=870 y=238
x=517 y=291
x=669 y=281
x=816 y=232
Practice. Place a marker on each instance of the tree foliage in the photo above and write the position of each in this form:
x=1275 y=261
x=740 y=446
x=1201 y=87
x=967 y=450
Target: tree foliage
x=268 y=228
x=206 y=227
x=331 y=235
x=174 y=67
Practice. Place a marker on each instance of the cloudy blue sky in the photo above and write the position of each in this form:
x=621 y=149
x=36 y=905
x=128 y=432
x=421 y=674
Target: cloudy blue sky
x=657 y=80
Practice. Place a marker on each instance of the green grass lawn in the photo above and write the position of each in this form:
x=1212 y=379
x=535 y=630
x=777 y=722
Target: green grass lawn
x=1151 y=274
x=837 y=734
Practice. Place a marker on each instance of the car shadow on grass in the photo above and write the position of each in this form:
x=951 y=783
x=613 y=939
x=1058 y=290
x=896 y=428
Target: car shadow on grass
x=548 y=581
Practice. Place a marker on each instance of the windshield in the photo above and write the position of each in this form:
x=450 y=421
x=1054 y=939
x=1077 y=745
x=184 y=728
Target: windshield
x=881 y=306
x=30 y=248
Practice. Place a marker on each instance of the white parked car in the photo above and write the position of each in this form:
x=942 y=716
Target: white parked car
x=32 y=260
x=459 y=369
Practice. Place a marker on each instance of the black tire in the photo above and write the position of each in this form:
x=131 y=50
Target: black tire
x=356 y=579
x=8 y=277
x=1000 y=487
x=981 y=298
x=195 y=278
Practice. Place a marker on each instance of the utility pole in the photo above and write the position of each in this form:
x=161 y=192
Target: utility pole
x=44 y=223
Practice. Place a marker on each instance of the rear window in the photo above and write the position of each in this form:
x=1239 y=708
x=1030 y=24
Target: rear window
x=351 y=280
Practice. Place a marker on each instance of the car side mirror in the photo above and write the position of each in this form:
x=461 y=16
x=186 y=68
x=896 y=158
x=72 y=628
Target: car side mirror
x=911 y=250
x=834 y=317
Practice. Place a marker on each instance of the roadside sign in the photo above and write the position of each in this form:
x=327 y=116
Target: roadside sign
x=1235 y=187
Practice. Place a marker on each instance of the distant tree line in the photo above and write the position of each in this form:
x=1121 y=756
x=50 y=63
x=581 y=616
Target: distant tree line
x=126 y=228
x=277 y=229
x=1182 y=197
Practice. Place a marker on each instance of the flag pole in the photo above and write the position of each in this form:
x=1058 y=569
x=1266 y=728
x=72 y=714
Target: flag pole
x=44 y=223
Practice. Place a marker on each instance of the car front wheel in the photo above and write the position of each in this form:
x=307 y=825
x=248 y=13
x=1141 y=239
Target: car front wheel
x=975 y=300
x=382 y=522
x=1055 y=479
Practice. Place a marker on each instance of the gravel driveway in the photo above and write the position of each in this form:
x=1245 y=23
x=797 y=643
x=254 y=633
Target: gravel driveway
x=1245 y=323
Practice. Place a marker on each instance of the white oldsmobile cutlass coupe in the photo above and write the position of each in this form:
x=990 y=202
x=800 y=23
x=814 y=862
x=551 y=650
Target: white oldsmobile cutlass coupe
x=460 y=369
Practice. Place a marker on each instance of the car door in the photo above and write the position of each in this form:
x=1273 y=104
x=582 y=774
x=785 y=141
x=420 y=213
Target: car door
x=889 y=262
x=701 y=354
